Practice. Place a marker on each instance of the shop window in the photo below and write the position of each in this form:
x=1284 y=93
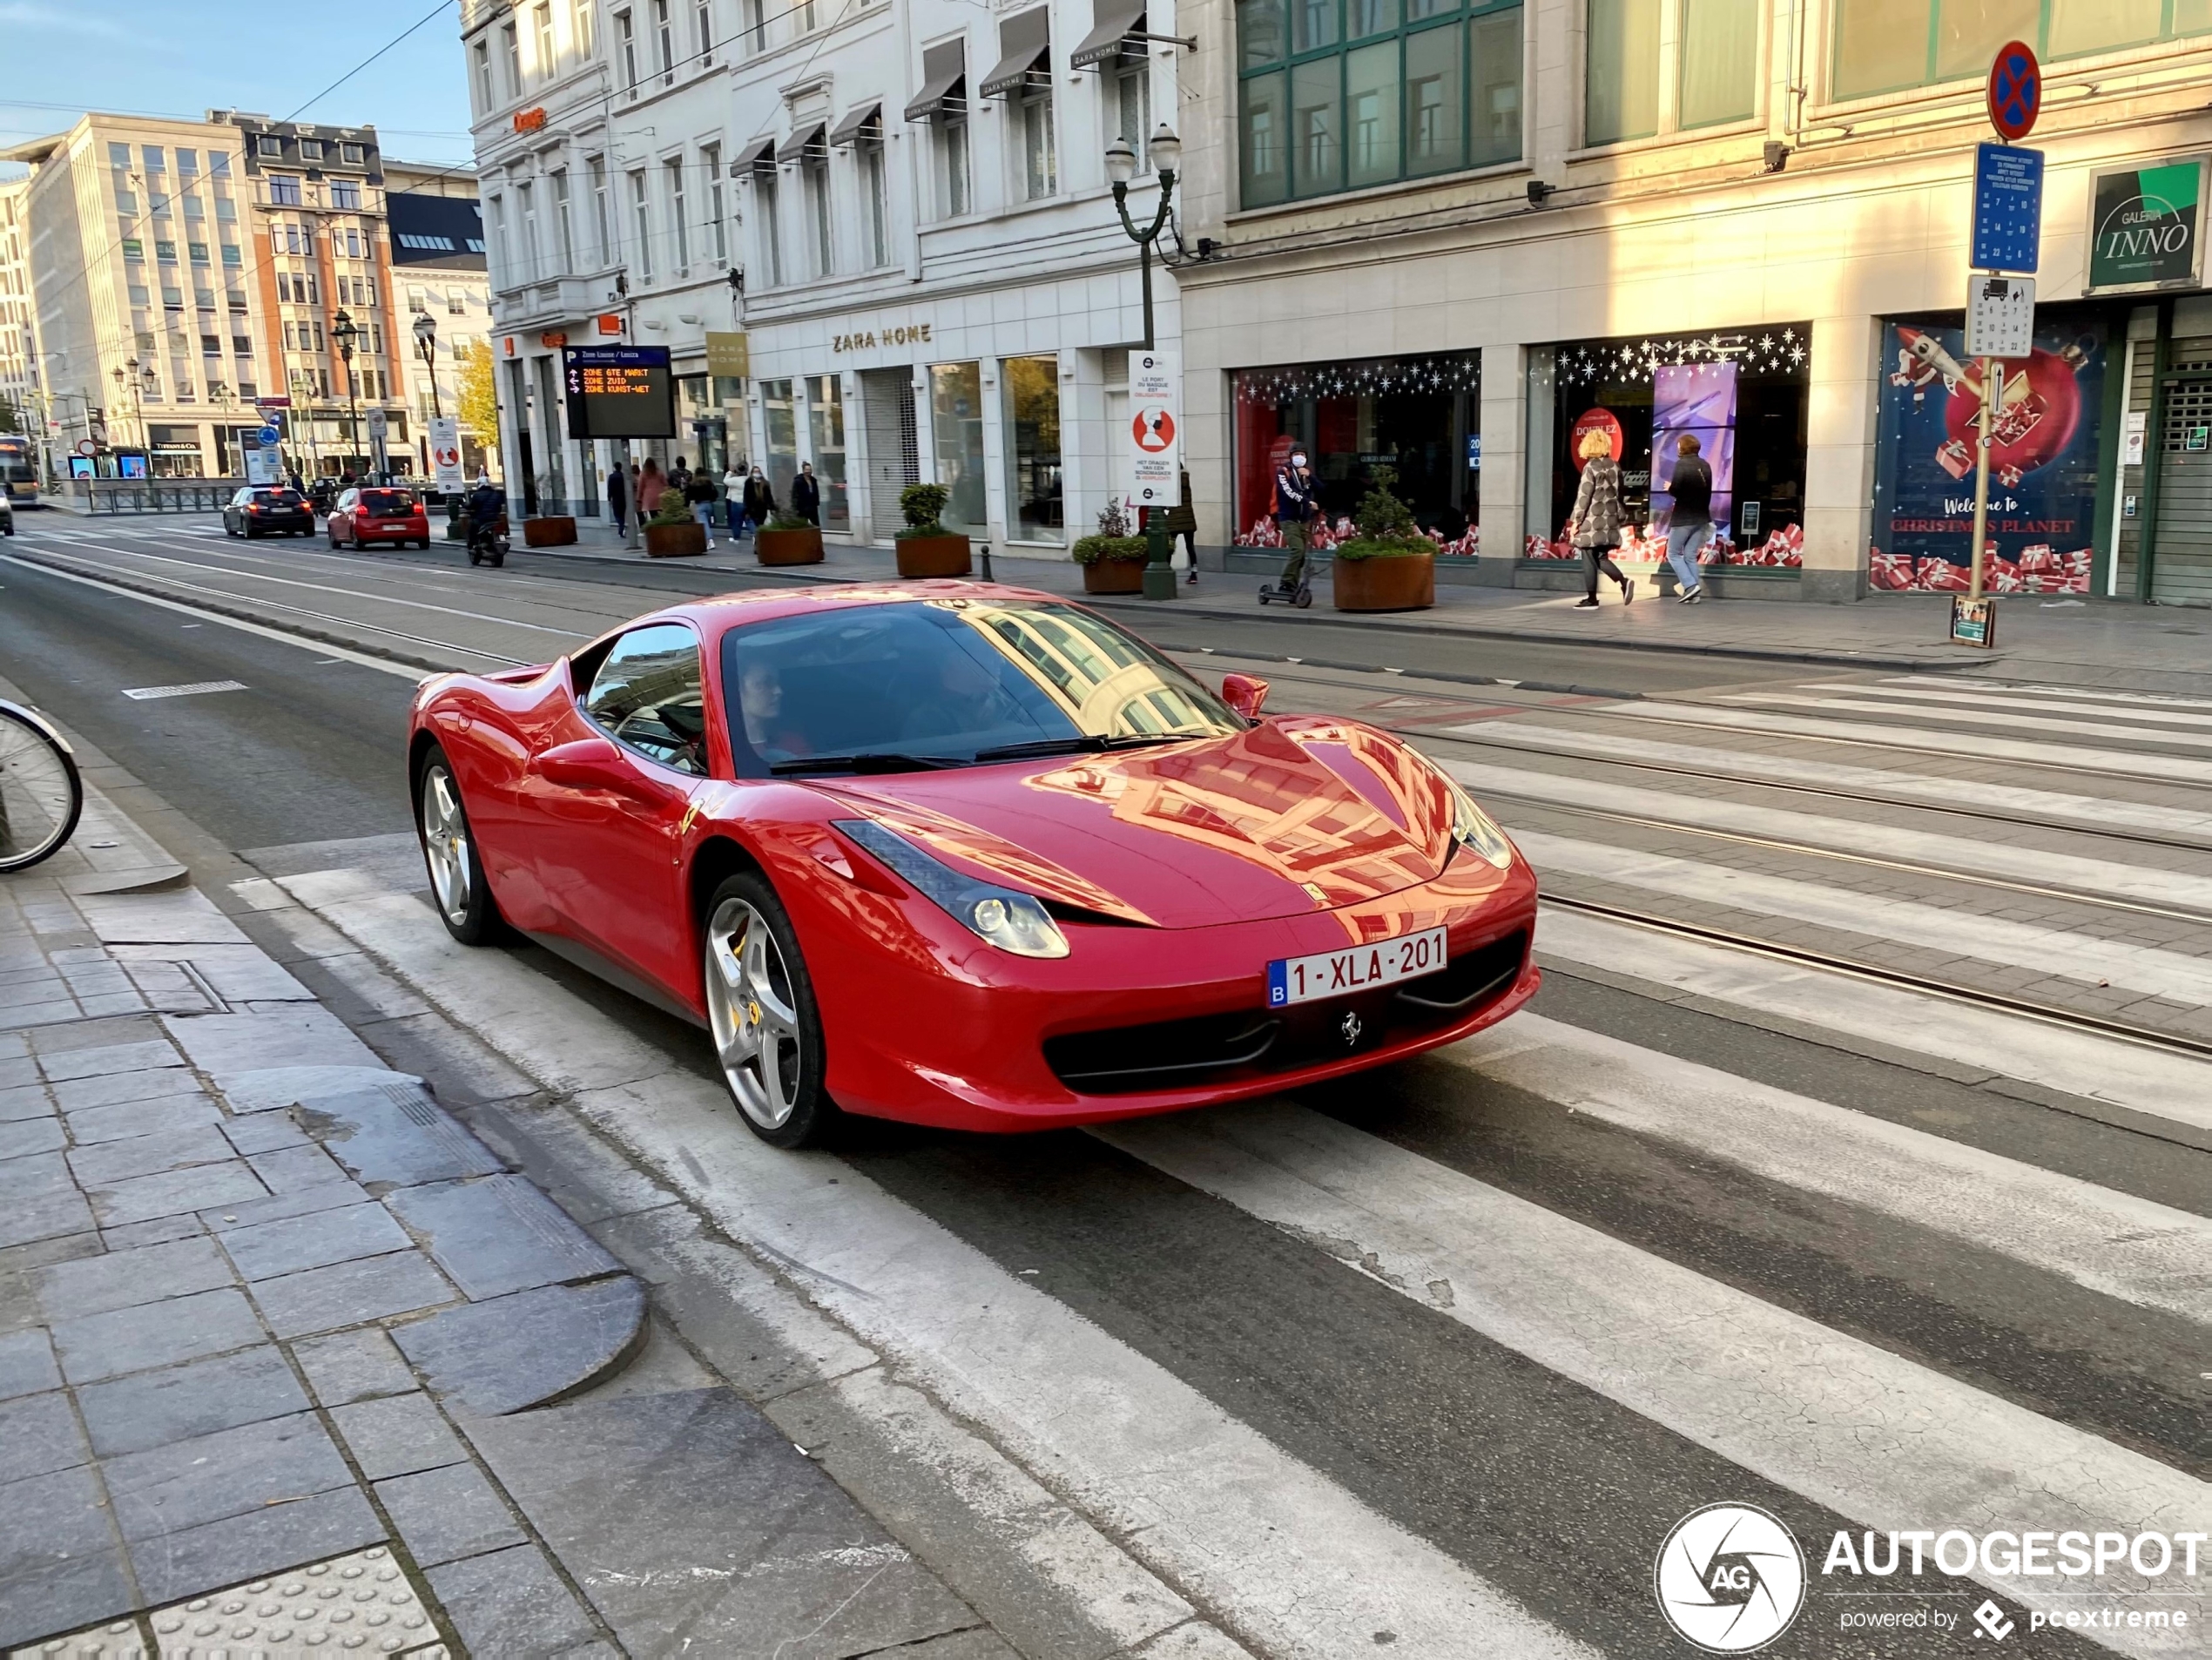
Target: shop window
x=1031 y=417
x=1742 y=392
x=1887 y=45
x=2043 y=456
x=1420 y=416
x=956 y=423
x=1347 y=94
x=780 y=421
x=1654 y=66
x=826 y=437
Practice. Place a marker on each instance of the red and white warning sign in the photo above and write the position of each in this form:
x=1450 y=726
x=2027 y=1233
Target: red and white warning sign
x=1155 y=429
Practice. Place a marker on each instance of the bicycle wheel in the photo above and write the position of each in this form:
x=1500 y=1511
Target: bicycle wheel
x=40 y=792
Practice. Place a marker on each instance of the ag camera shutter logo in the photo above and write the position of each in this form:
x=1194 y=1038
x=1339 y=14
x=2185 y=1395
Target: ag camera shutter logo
x=1730 y=1578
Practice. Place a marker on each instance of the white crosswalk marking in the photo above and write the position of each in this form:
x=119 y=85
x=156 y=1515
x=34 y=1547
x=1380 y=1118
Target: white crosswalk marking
x=2009 y=719
x=1924 y=692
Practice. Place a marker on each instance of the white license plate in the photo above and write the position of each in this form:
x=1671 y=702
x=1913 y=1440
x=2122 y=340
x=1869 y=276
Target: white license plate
x=1339 y=974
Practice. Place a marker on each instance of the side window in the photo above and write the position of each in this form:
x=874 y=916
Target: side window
x=648 y=694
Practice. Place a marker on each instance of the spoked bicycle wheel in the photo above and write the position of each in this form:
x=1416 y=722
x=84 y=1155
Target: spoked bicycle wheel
x=40 y=794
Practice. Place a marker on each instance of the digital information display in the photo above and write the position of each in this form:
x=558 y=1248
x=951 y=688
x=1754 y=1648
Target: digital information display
x=619 y=391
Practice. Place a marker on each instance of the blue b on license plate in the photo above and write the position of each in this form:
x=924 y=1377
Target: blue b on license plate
x=1337 y=973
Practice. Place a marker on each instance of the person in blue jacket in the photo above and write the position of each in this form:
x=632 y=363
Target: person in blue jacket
x=1295 y=510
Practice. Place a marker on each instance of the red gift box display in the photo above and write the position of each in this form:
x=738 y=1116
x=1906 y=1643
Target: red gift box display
x=1889 y=571
x=2039 y=570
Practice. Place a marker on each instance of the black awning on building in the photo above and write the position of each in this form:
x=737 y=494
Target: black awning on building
x=1025 y=42
x=752 y=155
x=806 y=141
x=944 y=66
x=1114 y=21
x=856 y=118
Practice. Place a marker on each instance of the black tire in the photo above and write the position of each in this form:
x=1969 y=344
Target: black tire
x=249 y=533
x=40 y=763
x=758 y=992
x=459 y=891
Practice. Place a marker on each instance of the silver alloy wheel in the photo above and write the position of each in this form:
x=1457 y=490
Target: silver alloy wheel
x=753 y=1009
x=445 y=840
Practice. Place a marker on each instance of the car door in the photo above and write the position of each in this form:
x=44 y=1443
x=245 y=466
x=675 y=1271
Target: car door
x=343 y=527
x=612 y=791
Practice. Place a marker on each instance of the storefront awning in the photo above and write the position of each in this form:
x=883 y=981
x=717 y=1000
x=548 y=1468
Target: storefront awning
x=855 y=118
x=1114 y=20
x=806 y=141
x=1024 y=41
x=943 y=67
x=752 y=155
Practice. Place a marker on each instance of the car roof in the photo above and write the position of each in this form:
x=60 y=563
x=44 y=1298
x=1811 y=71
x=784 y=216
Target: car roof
x=717 y=614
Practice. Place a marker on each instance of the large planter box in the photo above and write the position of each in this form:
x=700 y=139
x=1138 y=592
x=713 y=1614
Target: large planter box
x=933 y=555
x=675 y=541
x=1394 y=582
x=549 y=531
x=1114 y=576
x=788 y=547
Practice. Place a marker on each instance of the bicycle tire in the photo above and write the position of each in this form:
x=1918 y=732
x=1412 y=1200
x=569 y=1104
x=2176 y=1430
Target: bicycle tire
x=25 y=733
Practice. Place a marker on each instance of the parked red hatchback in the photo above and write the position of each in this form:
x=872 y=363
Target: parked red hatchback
x=379 y=514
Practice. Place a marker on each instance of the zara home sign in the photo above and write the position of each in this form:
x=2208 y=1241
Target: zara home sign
x=865 y=340
x=2147 y=228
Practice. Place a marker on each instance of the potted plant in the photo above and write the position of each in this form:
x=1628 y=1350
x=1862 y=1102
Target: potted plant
x=1113 y=560
x=926 y=548
x=548 y=531
x=1389 y=565
x=786 y=539
x=672 y=533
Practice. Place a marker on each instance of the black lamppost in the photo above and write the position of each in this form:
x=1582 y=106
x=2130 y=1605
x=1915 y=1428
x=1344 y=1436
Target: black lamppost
x=345 y=333
x=1120 y=167
x=426 y=347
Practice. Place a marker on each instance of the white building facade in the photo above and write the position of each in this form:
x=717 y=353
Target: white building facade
x=894 y=221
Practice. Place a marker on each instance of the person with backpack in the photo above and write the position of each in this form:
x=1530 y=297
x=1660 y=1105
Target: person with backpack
x=704 y=496
x=1690 y=522
x=1595 y=525
x=1294 y=508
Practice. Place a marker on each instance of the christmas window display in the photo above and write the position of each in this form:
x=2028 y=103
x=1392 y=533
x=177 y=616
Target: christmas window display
x=2043 y=459
x=1418 y=415
x=1741 y=392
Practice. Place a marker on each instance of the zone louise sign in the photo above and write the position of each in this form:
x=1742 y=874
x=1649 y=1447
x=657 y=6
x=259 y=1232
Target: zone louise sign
x=619 y=391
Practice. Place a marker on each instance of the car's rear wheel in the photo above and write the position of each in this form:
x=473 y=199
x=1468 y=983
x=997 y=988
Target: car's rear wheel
x=457 y=883
x=761 y=1005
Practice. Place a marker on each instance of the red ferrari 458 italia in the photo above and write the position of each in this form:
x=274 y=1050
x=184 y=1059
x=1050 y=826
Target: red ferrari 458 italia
x=967 y=855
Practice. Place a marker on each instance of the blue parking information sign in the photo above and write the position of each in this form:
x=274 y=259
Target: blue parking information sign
x=2008 y=207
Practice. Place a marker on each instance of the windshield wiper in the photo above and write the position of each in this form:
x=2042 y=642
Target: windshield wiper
x=1084 y=744
x=871 y=761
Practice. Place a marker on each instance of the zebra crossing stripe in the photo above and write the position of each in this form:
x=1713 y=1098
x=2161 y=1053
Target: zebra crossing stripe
x=2011 y=718
x=2140 y=699
x=2035 y=709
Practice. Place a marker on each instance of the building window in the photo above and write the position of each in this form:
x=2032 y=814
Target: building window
x=871 y=156
x=526 y=208
x=1704 y=52
x=772 y=232
x=151 y=158
x=1885 y=46
x=165 y=251
x=311 y=150
x=626 y=35
x=118 y=157
x=642 y=214
x=756 y=27
x=456 y=303
x=679 y=214
x=480 y=65
x=951 y=166
x=563 y=228
x=1031 y=390
x=814 y=180
x=1346 y=94
x=346 y=193
x=711 y=155
x=703 y=27
x=664 y=39
x=583 y=30
x=284 y=191
x=510 y=53
x=544 y=19
x=269 y=144
x=352 y=154
x=1039 y=166
x=231 y=254
x=1133 y=111
x=502 y=250
x=197 y=253
x=602 y=224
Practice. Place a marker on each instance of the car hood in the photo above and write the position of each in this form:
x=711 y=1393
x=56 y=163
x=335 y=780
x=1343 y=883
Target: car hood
x=1292 y=816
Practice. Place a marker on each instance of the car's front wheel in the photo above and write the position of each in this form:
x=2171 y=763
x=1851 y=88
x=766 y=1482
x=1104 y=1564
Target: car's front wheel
x=761 y=1005
x=457 y=882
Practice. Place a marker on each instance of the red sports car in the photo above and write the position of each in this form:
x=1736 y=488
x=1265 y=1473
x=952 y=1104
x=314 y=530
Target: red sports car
x=967 y=855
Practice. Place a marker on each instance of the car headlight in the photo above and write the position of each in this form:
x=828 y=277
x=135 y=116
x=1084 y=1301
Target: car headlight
x=1472 y=828
x=1011 y=921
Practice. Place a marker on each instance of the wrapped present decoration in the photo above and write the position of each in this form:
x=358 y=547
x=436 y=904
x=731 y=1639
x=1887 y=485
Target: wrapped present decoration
x=1942 y=576
x=1892 y=572
x=2002 y=575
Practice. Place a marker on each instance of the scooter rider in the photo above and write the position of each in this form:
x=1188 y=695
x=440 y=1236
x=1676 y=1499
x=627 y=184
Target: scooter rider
x=486 y=504
x=1294 y=514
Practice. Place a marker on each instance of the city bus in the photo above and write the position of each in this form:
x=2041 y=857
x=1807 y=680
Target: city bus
x=19 y=469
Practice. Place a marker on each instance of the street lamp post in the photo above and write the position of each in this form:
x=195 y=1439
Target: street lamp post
x=1120 y=168
x=345 y=333
x=426 y=346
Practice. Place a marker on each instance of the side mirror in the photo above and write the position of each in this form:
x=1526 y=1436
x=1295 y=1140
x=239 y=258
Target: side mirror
x=587 y=764
x=1244 y=693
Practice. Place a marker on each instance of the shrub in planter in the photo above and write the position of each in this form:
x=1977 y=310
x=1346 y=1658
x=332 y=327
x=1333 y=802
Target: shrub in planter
x=1112 y=564
x=786 y=539
x=924 y=547
x=1389 y=565
x=672 y=533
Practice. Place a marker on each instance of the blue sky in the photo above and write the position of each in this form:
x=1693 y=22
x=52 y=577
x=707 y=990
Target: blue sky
x=186 y=57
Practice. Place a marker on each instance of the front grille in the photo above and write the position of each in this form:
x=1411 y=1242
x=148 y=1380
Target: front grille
x=1216 y=1048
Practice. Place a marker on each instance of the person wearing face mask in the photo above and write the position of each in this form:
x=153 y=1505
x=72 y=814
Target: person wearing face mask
x=1294 y=511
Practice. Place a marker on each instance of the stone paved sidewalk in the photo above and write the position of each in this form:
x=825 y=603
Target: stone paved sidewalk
x=278 y=1336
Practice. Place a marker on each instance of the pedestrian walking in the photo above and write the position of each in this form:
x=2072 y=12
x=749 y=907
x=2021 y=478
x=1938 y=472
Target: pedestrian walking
x=734 y=498
x=619 y=499
x=1182 y=521
x=1595 y=525
x=759 y=497
x=1690 y=522
x=705 y=497
x=680 y=476
x=652 y=486
x=1294 y=510
x=806 y=494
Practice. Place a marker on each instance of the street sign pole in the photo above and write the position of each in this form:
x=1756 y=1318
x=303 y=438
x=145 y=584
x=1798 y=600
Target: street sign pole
x=1992 y=391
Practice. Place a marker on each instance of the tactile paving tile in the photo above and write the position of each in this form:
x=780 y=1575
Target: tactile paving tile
x=121 y=1640
x=359 y=1604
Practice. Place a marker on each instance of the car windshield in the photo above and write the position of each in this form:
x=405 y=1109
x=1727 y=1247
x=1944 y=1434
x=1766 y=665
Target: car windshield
x=876 y=688
x=277 y=498
x=386 y=502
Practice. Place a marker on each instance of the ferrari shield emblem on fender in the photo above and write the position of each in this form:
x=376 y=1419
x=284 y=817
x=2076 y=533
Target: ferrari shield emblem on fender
x=1350 y=1027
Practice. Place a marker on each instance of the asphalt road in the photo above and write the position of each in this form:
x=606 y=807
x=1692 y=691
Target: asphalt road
x=1747 y=1221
